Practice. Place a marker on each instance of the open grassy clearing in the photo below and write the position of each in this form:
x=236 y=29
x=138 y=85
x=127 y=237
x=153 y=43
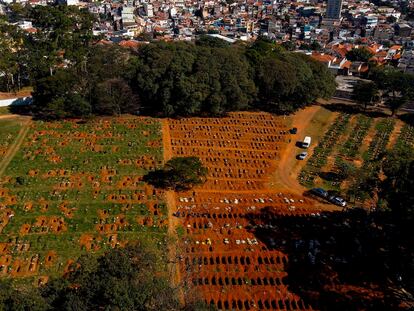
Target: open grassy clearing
x=351 y=147
x=75 y=187
x=319 y=158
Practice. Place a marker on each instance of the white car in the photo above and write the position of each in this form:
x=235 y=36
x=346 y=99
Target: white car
x=306 y=142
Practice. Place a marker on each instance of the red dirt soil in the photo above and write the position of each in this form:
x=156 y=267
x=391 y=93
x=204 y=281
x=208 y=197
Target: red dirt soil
x=220 y=257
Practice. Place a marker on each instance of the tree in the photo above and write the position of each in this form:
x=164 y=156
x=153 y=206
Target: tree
x=397 y=188
x=276 y=81
x=179 y=173
x=59 y=96
x=365 y=93
x=113 y=97
x=289 y=45
x=123 y=279
x=397 y=87
x=205 y=40
x=64 y=28
x=20 y=299
x=181 y=79
x=315 y=46
x=288 y=81
x=359 y=54
x=12 y=50
x=345 y=170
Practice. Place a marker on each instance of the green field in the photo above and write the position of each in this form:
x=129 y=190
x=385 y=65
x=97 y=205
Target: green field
x=76 y=187
x=349 y=151
x=4 y=110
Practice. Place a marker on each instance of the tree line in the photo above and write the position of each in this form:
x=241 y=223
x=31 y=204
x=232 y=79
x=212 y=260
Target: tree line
x=183 y=79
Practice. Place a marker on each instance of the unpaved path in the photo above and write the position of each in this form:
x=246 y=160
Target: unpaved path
x=285 y=175
x=395 y=133
x=9 y=116
x=14 y=147
x=22 y=93
x=173 y=264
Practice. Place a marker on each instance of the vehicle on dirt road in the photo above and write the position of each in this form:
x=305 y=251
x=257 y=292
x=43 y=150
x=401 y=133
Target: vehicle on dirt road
x=302 y=155
x=293 y=130
x=337 y=201
x=306 y=142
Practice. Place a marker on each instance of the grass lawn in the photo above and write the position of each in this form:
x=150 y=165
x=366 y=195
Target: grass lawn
x=355 y=140
x=76 y=187
x=318 y=124
x=4 y=111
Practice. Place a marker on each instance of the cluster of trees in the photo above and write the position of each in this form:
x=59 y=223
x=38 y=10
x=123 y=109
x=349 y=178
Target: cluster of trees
x=179 y=173
x=388 y=85
x=64 y=35
x=359 y=54
x=95 y=86
x=183 y=79
x=123 y=279
x=397 y=187
x=387 y=181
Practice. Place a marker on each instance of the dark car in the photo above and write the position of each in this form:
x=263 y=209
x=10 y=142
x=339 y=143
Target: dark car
x=293 y=130
x=302 y=155
x=319 y=192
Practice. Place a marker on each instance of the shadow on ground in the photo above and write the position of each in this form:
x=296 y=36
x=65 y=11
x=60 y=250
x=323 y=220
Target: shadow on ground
x=351 y=260
x=407 y=118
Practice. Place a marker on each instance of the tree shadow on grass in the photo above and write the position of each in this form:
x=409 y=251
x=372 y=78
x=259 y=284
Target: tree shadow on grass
x=351 y=260
x=407 y=118
x=331 y=176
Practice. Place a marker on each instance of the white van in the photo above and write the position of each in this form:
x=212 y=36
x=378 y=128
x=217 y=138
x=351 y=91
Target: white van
x=306 y=142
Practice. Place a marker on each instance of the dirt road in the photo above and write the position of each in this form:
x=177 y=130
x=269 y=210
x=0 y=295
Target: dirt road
x=173 y=264
x=9 y=116
x=285 y=175
x=14 y=147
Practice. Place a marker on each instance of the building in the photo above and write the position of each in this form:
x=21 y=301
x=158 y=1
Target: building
x=333 y=10
x=402 y=30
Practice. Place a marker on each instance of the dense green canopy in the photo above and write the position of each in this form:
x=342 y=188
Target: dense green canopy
x=183 y=79
x=179 y=173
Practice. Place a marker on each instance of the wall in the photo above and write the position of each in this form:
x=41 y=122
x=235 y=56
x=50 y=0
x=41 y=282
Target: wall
x=16 y=101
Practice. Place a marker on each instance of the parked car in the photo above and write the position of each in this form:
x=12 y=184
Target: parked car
x=337 y=201
x=319 y=192
x=306 y=142
x=302 y=155
x=293 y=130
